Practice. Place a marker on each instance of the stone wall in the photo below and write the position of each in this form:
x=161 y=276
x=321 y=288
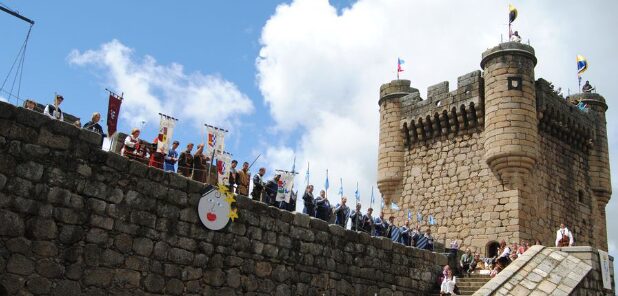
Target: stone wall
x=78 y=220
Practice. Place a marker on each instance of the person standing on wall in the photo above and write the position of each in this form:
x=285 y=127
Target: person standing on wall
x=185 y=162
x=309 y=201
x=54 y=111
x=258 y=185
x=171 y=158
x=244 y=177
x=322 y=207
x=233 y=178
x=564 y=237
x=342 y=212
x=93 y=125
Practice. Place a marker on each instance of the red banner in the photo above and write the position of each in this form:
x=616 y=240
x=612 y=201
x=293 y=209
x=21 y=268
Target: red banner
x=112 y=114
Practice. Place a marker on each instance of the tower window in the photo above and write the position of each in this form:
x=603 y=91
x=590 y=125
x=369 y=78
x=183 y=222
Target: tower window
x=514 y=83
x=580 y=196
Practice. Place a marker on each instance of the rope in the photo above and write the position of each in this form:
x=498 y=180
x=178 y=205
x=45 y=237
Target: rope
x=19 y=60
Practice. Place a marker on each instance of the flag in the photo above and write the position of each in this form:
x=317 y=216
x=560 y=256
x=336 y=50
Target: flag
x=372 y=199
x=113 y=110
x=326 y=182
x=394 y=206
x=307 y=175
x=582 y=65
x=409 y=215
x=582 y=106
x=357 y=194
x=224 y=161
x=431 y=220
x=399 y=63
x=341 y=187
x=419 y=217
x=294 y=165
x=166 y=129
x=284 y=186
x=216 y=142
x=512 y=13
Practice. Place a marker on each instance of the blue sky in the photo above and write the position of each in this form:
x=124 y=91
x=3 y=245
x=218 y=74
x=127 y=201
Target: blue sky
x=300 y=78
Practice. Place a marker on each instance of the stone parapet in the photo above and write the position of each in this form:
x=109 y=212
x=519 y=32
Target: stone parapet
x=76 y=220
x=550 y=271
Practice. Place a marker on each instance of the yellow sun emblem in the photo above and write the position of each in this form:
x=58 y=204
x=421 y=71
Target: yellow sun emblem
x=233 y=214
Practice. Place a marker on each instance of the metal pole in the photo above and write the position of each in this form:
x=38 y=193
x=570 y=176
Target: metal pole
x=16 y=14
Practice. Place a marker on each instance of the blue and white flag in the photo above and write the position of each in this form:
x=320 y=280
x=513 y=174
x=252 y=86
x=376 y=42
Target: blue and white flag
x=372 y=199
x=341 y=187
x=394 y=206
x=419 y=217
x=409 y=215
x=307 y=175
x=356 y=194
x=431 y=220
x=326 y=185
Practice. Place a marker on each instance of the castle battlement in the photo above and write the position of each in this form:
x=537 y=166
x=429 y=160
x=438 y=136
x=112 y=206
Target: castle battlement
x=503 y=156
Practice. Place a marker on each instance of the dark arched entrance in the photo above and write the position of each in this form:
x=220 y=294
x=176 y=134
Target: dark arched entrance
x=491 y=249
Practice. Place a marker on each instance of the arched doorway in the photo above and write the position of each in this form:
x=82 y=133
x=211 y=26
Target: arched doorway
x=491 y=249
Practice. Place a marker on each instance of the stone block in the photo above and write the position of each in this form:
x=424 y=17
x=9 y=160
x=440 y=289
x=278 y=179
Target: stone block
x=41 y=229
x=66 y=287
x=52 y=140
x=20 y=264
x=11 y=224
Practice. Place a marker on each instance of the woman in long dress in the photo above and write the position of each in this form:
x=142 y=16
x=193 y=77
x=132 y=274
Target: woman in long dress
x=448 y=284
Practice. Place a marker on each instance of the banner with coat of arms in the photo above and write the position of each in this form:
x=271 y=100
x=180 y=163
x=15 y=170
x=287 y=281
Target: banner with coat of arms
x=284 y=188
x=166 y=129
x=216 y=141
x=224 y=161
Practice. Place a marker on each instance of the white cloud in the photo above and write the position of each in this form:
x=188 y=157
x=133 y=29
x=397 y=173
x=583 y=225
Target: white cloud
x=3 y=99
x=320 y=71
x=151 y=88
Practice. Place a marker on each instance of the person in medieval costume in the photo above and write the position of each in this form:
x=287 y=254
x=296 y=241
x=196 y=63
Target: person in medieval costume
x=381 y=226
x=244 y=178
x=368 y=222
x=342 y=212
x=171 y=158
x=270 y=191
x=53 y=111
x=199 y=164
x=156 y=157
x=425 y=241
x=405 y=233
x=258 y=185
x=393 y=232
x=94 y=126
x=564 y=237
x=309 y=201
x=233 y=178
x=185 y=162
x=322 y=207
x=356 y=218
x=131 y=143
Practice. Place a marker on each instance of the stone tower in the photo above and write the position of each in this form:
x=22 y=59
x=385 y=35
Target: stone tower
x=511 y=136
x=502 y=156
x=391 y=147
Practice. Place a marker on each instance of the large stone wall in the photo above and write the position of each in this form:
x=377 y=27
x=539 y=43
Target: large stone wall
x=78 y=220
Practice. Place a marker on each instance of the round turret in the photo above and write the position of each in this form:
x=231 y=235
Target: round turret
x=391 y=145
x=511 y=132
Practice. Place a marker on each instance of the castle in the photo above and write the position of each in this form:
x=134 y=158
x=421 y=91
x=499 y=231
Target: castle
x=501 y=157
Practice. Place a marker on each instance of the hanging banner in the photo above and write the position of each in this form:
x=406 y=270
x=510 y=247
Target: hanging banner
x=166 y=129
x=605 y=272
x=224 y=161
x=216 y=141
x=113 y=110
x=284 y=188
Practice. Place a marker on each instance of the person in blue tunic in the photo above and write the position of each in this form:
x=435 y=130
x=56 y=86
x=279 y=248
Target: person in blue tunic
x=425 y=241
x=171 y=158
x=322 y=207
x=381 y=225
x=405 y=233
x=342 y=212
x=368 y=222
x=270 y=191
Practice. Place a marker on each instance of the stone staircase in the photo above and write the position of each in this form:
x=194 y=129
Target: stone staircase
x=469 y=284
